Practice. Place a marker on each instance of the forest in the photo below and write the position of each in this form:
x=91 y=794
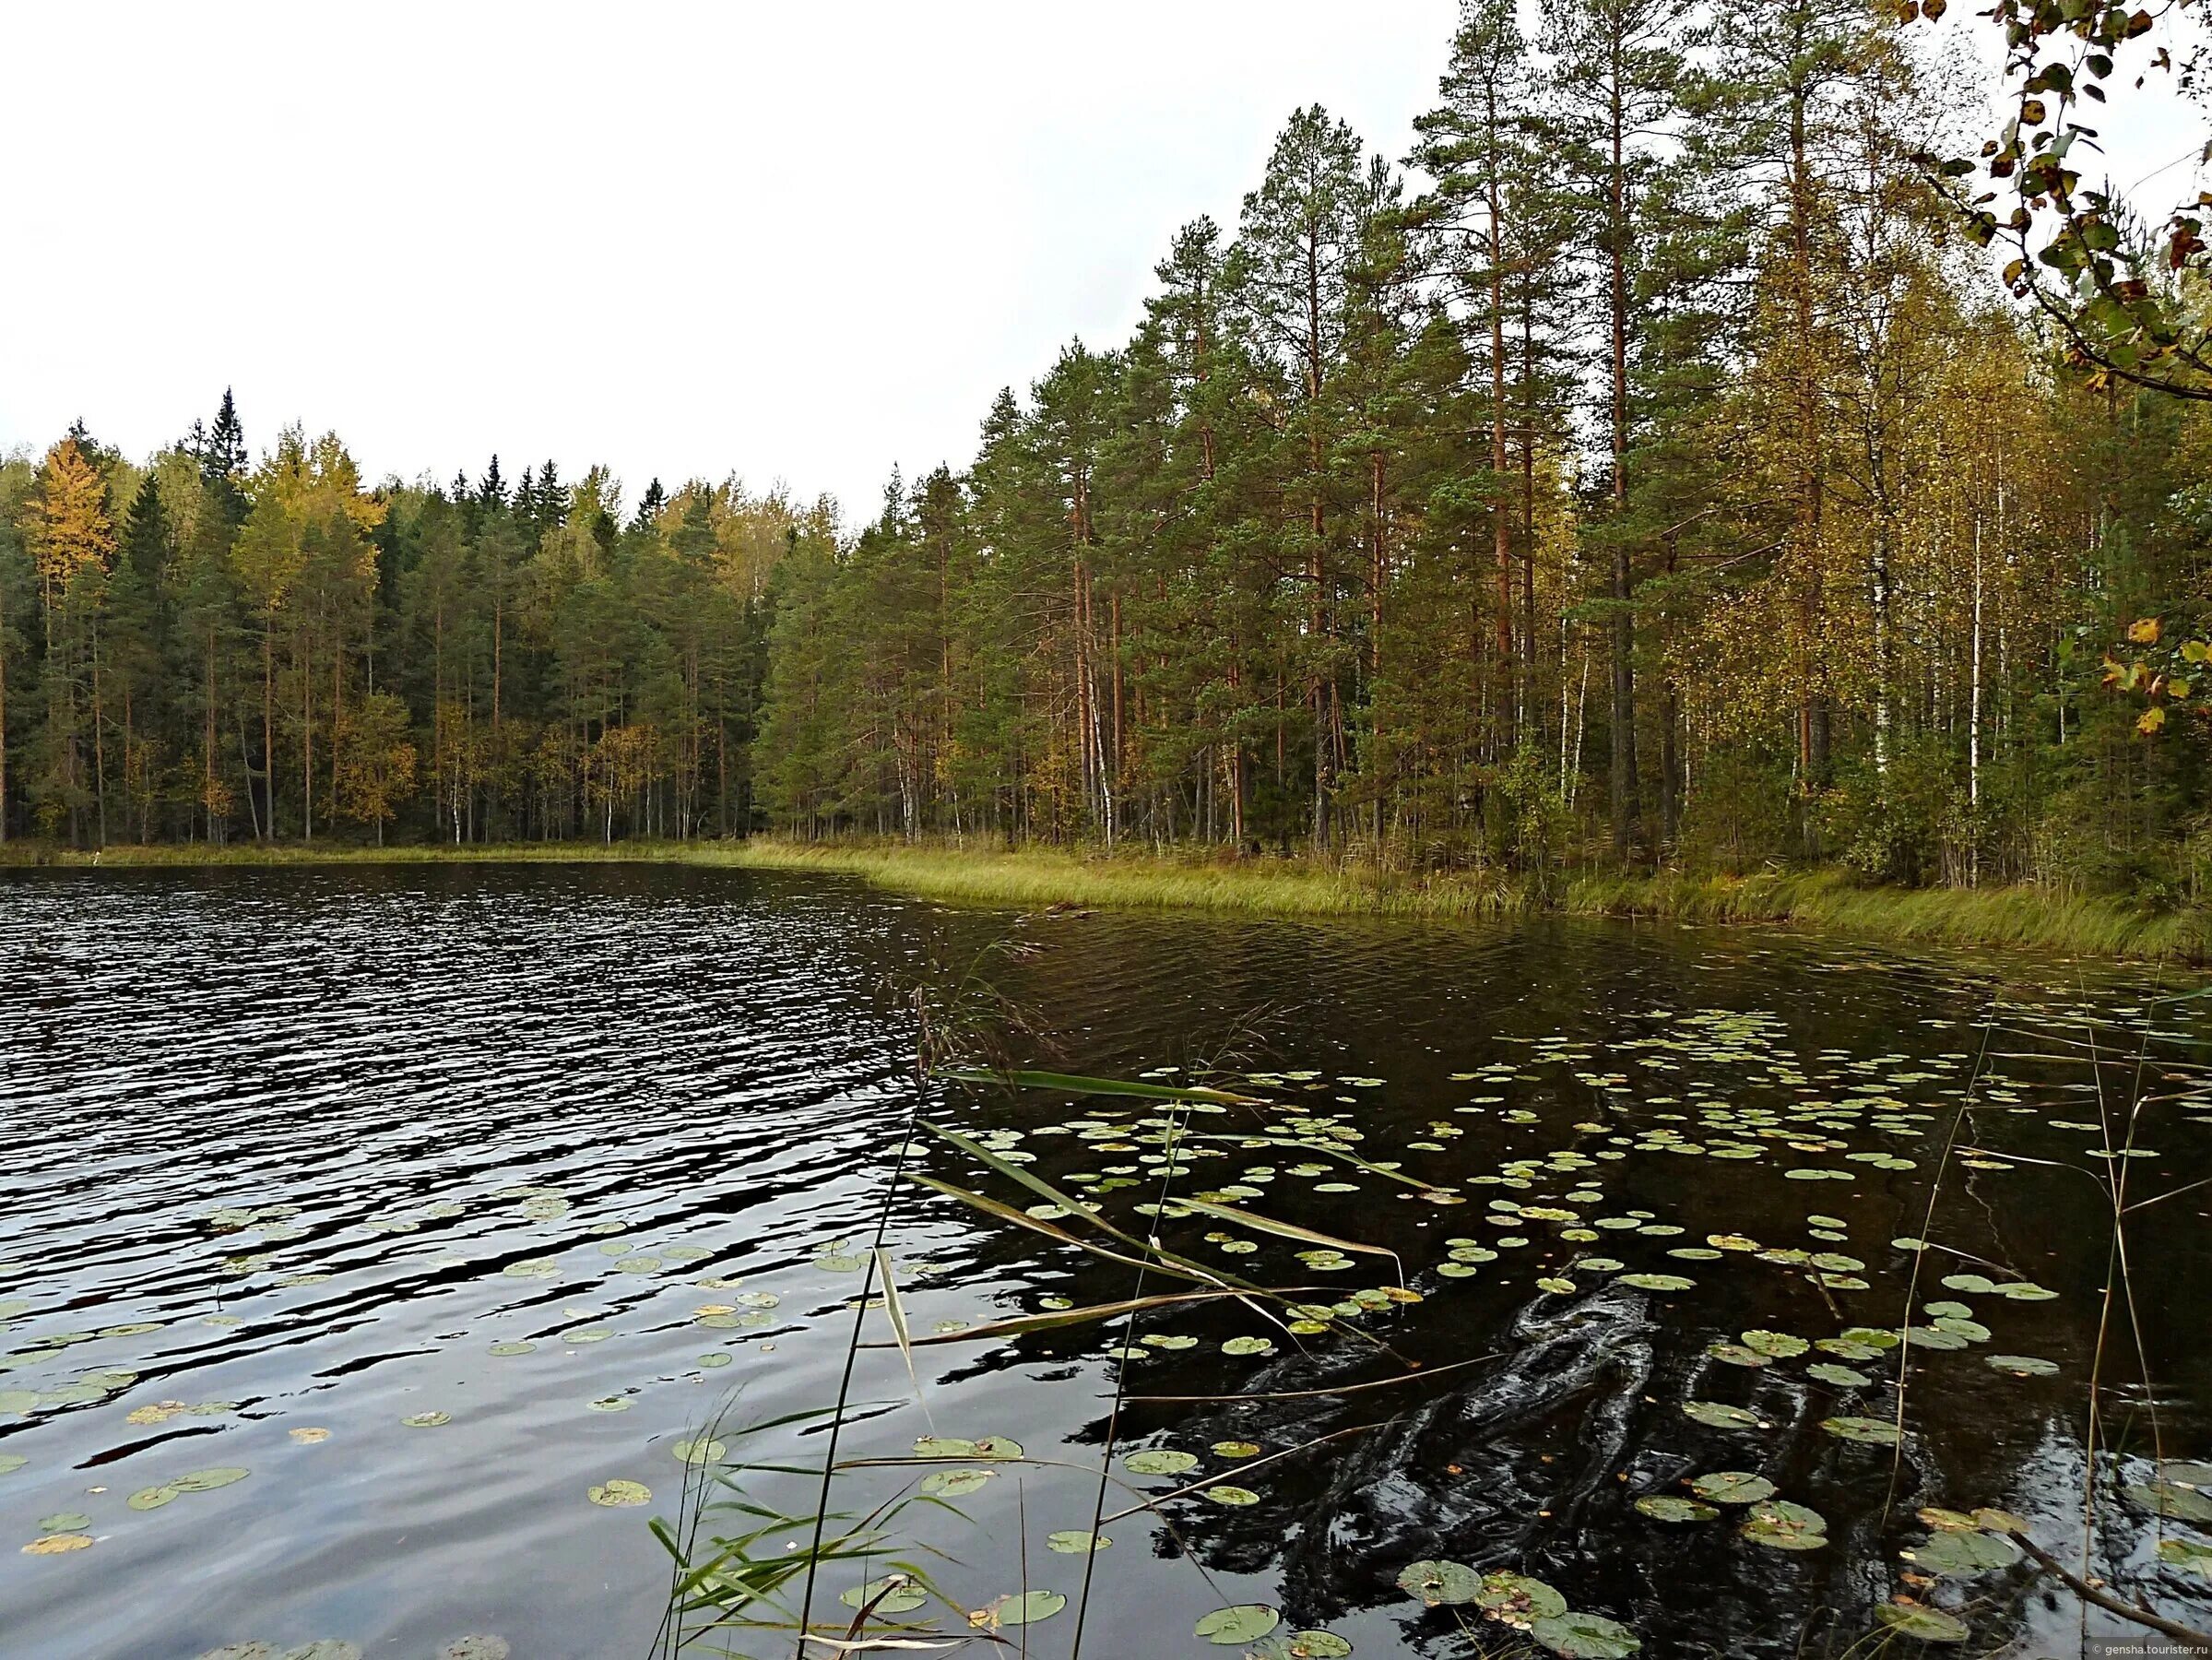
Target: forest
x=1654 y=468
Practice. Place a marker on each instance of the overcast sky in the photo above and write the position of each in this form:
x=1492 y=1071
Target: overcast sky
x=796 y=241
x=792 y=242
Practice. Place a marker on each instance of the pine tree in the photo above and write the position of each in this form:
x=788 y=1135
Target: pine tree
x=1619 y=69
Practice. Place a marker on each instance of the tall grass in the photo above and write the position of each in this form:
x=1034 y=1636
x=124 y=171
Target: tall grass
x=2019 y=917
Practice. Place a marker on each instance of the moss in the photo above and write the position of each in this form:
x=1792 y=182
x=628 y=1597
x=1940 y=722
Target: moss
x=2018 y=917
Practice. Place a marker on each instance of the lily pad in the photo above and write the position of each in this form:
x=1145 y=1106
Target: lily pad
x=619 y=1494
x=702 y=1452
x=900 y=1594
x=1160 y=1461
x=1585 y=1637
x=152 y=1497
x=1076 y=1542
x=2173 y=1499
x=1235 y=1495
x=1732 y=1486
x=1777 y=1346
x=1241 y=1623
x=2186 y=1554
x=427 y=1420
x=1236 y=1448
x=1960 y=1553
x=1783 y=1525
x=1918 y=1620
x=1437 y=1584
x=951 y=1484
x=1027 y=1608
x=1517 y=1599
x=1842 y=1377
x=1735 y=1354
x=206 y=1481
x=58 y=1544
x=1719 y=1415
x=2021 y=1366
x=1658 y=1282
x=1667 y=1507
x=1872 y=1432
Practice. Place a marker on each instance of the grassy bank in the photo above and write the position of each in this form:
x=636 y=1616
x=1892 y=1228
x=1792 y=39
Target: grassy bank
x=2015 y=917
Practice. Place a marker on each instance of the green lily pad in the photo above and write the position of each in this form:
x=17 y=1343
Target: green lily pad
x=1585 y=1637
x=1076 y=1542
x=1783 y=1525
x=1873 y=1432
x=900 y=1594
x=983 y=1446
x=951 y=1484
x=1232 y=1496
x=1732 y=1486
x=1777 y=1346
x=1027 y=1608
x=11 y=1462
x=1306 y=1645
x=427 y=1420
x=2173 y=1500
x=152 y=1497
x=2186 y=1554
x=1934 y=1337
x=1948 y=1520
x=65 y=1522
x=1666 y=1507
x=1519 y=1599
x=619 y=1494
x=2021 y=1366
x=1915 y=1619
x=1438 y=1583
x=1160 y=1461
x=1842 y=1377
x=1658 y=1282
x=1236 y=1448
x=206 y=1481
x=1735 y=1354
x=1241 y=1623
x=1248 y=1346
x=1960 y=1553
x=700 y=1452
x=1843 y=1348
x=1719 y=1415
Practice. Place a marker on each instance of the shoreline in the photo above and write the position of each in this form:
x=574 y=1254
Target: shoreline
x=2015 y=918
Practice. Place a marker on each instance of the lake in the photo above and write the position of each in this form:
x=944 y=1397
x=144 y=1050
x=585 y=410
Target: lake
x=361 y=1223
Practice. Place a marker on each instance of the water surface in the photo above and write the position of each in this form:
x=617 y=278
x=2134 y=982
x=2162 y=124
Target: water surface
x=293 y=1157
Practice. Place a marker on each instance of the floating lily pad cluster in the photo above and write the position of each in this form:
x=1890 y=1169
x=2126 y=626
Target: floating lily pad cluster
x=1523 y=1603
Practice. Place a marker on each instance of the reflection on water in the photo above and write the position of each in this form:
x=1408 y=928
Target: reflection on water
x=434 y=1198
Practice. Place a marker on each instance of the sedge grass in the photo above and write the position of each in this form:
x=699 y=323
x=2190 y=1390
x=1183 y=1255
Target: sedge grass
x=2016 y=917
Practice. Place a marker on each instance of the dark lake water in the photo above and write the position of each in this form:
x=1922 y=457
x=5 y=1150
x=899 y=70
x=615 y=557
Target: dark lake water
x=355 y=1225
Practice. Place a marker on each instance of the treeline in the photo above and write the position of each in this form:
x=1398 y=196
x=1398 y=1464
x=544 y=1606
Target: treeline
x=1647 y=468
x=196 y=648
x=1654 y=468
